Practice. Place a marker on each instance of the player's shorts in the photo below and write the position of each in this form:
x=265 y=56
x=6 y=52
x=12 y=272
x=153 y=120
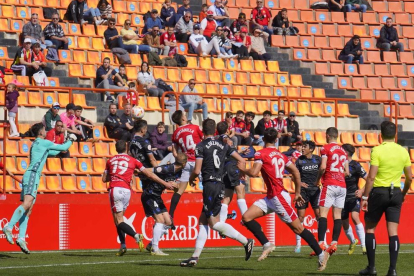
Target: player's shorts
x=213 y=194
x=351 y=205
x=380 y=201
x=231 y=177
x=188 y=169
x=119 y=198
x=153 y=205
x=310 y=195
x=30 y=184
x=332 y=195
x=280 y=204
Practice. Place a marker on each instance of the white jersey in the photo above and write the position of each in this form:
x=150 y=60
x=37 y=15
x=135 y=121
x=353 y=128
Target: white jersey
x=195 y=40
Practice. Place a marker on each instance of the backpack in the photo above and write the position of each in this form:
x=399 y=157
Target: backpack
x=154 y=59
x=319 y=6
x=122 y=55
x=169 y=62
x=48 y=12
x=163 y=85
x=52 y=55
x=181 y=60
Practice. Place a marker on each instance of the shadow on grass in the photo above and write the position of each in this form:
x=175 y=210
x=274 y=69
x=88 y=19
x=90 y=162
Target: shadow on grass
x=84 y=255
x=2 y=256
x=324 y=274
x=198 y=267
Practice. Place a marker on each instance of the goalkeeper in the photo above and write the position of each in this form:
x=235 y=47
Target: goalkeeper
x=39 y=152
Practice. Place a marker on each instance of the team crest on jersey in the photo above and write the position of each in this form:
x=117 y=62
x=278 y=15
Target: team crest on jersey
x=159 y=169
x=257 y=153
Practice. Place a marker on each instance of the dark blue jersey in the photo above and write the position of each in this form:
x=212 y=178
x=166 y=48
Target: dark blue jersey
x=166 y=173
x=356 y=171
x=308 y=169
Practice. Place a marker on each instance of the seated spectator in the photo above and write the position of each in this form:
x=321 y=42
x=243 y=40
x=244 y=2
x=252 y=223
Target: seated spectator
x=74 y=12
x=168 y=14
x=294 y=152
x=228 y=118
x=132 y=97
x=258 y=50
x=261 y=17
x=281 y=127
x=169 y=42
x=57 y=135
x=127 y=123
x=184 y=28
x=337 y=5
x=113 y=125
x=54 y=33
x=293 y=127
x=200 y=44
x=152 y=39
x=123 y=75
x=85 y=126
x=130 y=39
x=93 y=14
x=170 y=103
x=242 y=135
x=243 y=44
x=388 y=39
x=40 y=60
x=105 y=79
x=153 y=21
x=24 y=60
x=203 y=12
x=147 y=81
x=239 y=23
x=281 y=23
x=51 y=117
x=249 y=117
x=68 y=118
x=33 y=30
x=355 y=5
x=220 y=13
x=224 y=42
x=193 y=102
x=352 y=52
x=262 y=125
x=159 y=142
x=184 y=9
x=105 y=9
x=208 y=25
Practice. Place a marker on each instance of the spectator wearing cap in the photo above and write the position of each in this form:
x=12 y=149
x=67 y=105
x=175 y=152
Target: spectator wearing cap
x=243 y=44
x=200 y=44
x=184 y=28
x=293 y=127
x=54 y=33
x=239 y=23
x=258 y=50
x=51 y=117
x=68 y=118
x=57 y=135
x=24 y=60
x=388 y=39
x=261 y=18
x=220 y=13
x=355 y=5
x=153 y=21
x=85 y=126
x=352 y=52
x=208 y=25
x=33 y=30
x=105 y=79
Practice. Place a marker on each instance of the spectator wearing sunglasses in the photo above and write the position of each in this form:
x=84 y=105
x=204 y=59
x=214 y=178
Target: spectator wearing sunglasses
x=51 y=117
x=293 y=127
x=57 y=135
x=153 y=21
x=130 y=39
x=184 y=28
x=54 y=33
x=152 y=39
x=193 y=102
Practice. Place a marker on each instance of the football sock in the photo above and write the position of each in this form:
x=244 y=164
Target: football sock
x=18 y=213
x=371 y=245
x=322 y=226
x=121 y=236
x=350 y=234
x=174 y=202
x=23 y=226
x=158 y=232
x=361 y=233
x=223 y=212
x=299 y=239
x=229 y=231
x=127 y=229
x=394 y=247
x=242 y=205
x=336 y=230
x=201 y=240
x=257 y=231
x=310 y=239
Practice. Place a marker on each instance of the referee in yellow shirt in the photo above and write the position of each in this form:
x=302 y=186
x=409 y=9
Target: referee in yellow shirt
x=383 y=186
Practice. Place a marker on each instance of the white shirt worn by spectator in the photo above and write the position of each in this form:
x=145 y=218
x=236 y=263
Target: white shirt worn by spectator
x=196 y=39
x=217 y=11
x=190 y=98
x=145 y=78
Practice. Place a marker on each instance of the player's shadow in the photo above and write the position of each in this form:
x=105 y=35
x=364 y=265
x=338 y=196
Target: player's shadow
x=204 y=268
x=2 y=256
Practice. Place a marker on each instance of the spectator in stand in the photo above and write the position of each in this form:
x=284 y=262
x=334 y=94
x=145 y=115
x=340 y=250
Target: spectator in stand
x=239 y=23
x=352 y=51
x=12 y=107
x=262 y=125
x=258 y=50
x=193 y=102
x=132 y=98
x=54 y=33
x=93 y=14
x=112 y=38
x=24 y=60
x=169 y=42
x=153 y=21
x=130 y=39
x=184 y=9
x=228 y=118
x=57 y=135
x=240 y=131
x=281 y=23
x=147 y=81
x=74 y=12
x=168 y=14
x=105 y=8
x=337 y=6
x=113 y=125
x=123 y=75
x=293 y=127
x=243 y=44
x=153 y=40
x=261 y=18
x=249 y=117
x=171 y=104
x=33 y=30
x=68 y=118
x=184 y=28
x=220 y=13
x=355 y=5
x=85 y=126
x=208 y=25
x=104 y=79
x=281 y=127
x=200 y=44
x=159 y=142
x=388 y=39
x=51 y=117
x=203 y=12
x=222 y=35
x=127 y=123
x=40 y=60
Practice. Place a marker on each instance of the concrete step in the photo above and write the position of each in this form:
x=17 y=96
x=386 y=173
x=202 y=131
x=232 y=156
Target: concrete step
x=311 y=78
x=319 y=84
x=8 y=42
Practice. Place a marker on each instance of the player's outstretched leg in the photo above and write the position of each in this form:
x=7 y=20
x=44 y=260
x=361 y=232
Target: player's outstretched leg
x=159 y=230
x=8 y=228
x=200 y=242
x=130 y=232
x=121 y=236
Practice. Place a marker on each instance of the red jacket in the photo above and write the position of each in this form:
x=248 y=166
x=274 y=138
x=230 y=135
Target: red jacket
x=54 y=137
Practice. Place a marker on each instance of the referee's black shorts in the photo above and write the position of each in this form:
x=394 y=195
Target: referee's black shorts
x=381 y=201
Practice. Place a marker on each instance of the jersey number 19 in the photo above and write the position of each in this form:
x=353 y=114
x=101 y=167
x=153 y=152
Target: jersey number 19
x=121 y=165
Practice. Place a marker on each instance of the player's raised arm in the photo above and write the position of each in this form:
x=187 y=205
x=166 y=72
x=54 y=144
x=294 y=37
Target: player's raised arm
x=148 y=173
x=196 y=171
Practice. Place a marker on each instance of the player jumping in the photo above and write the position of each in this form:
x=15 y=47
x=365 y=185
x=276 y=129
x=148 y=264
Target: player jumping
x=210 y=157
x=272 y=163
x=39 y=152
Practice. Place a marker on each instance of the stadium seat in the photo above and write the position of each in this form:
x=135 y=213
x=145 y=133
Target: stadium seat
x=372 y=139
x=257 y=185
x=343 y=110
x=86 y=149
x=22 y=164
x=346 y=138
x=101 y=149
x=69 y=165
x=320 y=138
x=405 y=111
x=235 y=105
x=307 y=135
x=364 y=154
x=83 y=184
x=85 y=166
x=137 y=185
x=303 y=109
x=68 y=184
x=53 y=183
x=288 y=185
x=98 y=185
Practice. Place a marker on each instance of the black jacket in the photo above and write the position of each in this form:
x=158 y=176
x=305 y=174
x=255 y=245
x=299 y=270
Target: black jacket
x=112 y=122
x=250 y=128
x=350 y=48
x=75 y=11
x=387 y=34
x=278 y=21
x=260 y=128
x=294 y=128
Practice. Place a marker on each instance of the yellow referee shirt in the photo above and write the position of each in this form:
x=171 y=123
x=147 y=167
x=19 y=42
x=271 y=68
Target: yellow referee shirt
x=391 y=159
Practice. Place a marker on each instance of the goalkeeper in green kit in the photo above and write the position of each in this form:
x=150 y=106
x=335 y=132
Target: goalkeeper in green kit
x=39 y=152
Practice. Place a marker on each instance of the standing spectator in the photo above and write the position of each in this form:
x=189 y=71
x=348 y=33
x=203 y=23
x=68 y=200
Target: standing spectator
x=220 y=13
x=130 y=39
x=159 y=142
x=262 y=125
x=85 y=126
x=200 y=44
x=113 y=125
x=104 y=78
x=146 y=79
x=250 y=124
x=184 y=9
x=337 y=6
x=127 y=123
x=92 y=14
x=261 y=18
x=352 y=51
x=40 y=60
x=132 y=98
x=258 y=51
x=152 y=21
x=152 y=39
x=193 y=102
x=68 y=118
x=51 y=117
x=169 y=42
x=389 y=38
x=239 y=23
x=203 y=12
x=33 y=30
x=208 y=25
x=57 y=135
x=54 y=33
x=105 y=8
x=240 y=131
x=184 y=28
x=293 y=127
x=168 y=14
x=355 y=5
x=171 y=104
x=281 y=127
x=243 y=44
x=74 y=12
x=281 y=23
x=12 y=107
x=23 y=60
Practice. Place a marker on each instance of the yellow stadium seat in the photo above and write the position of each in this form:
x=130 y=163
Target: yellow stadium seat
x=214 y=76
x=242 y=77
x=101 y=149
x=228 y=77
x=53 y=183
x=153 y=103
x=34 y=98
x=7 y=11
x=218 y=63
x=89 y=71
x=257 y=185
x=270 y=79
x=97 y=43
x=262 y=105
x=4 y=24
x=83 y=184
x=283 y=79
x=256 y=78
x=85 y=165
x=235 y=105
x=252 y=90
x=246 y=65
x=22 y=164
x=250 y=105
x=24 y=147
x=260 y=65
x=274 y=107
x=200 y=75
x=273 y=66
x=265 y=91
x=205 y=62
x=68 y=184
x=63 y=98
x=303 y=109
x=98 y=185
x=86 y=149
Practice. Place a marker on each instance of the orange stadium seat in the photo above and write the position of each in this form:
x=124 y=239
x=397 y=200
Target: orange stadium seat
x=307 y=135
x=364 y=154
x=68 y=184
x=346 y=138
x=320 y=138
x=99 y=164
x=53 y=183
x=98 y=185
x=359 y=139
x=83 y=184
x=257 y=185
x=85 y=165
x=405 y=111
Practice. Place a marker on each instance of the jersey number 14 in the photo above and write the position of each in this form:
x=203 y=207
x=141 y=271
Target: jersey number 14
x=189 y=143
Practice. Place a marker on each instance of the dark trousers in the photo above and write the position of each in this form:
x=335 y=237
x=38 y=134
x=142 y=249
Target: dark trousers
x=285 y=141
x=87 y=133
x=60 y=44
x=182 y=38
x=30 y=71
x=256 y=56
x=120 y=134
x=242 y=51
x=241 y=141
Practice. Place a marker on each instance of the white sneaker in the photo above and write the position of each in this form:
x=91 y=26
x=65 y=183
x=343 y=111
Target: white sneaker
x=235 y=56
x=222 y=56
x=98 y=22
x=158 y=253
x=84 y=22
x=266 y=251
x=204 y=54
